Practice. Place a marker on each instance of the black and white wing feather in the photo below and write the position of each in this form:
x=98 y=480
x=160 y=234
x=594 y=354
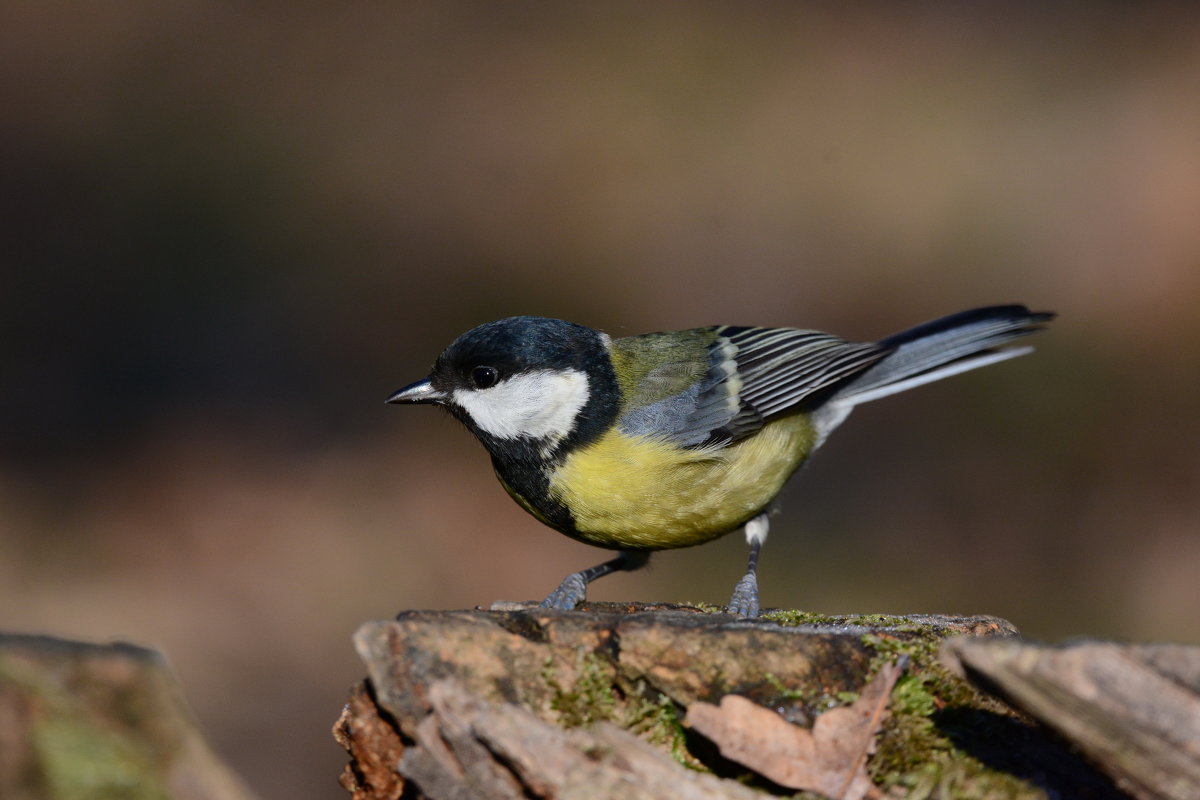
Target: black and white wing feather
x=757 y=373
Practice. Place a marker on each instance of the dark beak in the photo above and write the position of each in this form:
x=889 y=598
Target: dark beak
x=420 y=392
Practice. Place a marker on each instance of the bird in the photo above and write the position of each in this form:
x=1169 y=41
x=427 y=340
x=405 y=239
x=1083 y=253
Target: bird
x=672 y=439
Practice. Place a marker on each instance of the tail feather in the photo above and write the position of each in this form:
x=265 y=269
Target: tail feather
x=944 y=347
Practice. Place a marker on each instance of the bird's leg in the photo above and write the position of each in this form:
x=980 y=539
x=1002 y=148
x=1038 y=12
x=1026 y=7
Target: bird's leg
x=573 y=590
x=745 y=594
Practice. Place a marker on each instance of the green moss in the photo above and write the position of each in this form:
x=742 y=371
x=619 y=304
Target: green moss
x=917 y=754
x=879 y=620
x=594 y=696
x=82 y=756
x=911 y=696
x=784 y=692
x=590 y=698
x=946 y=777
x=921 y=647
x=794 y=619
x=943 y=738
x=80 y=761
x=657 y=721
x=707 y=608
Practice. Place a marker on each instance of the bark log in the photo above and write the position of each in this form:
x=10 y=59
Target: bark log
x=99 y=721
x=524 y=702
x=1133 y=709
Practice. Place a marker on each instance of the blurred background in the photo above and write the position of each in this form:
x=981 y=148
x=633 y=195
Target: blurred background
x=229 y=232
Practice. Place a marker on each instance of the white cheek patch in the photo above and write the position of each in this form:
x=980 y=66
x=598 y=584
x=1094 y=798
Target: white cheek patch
x=538 y=405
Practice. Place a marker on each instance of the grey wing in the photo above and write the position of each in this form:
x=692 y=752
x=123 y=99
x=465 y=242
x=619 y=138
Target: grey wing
x=768 y=371
x=753 y=375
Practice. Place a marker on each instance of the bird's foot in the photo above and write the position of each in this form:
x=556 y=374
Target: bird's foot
x=570 y=593
x=745 y=597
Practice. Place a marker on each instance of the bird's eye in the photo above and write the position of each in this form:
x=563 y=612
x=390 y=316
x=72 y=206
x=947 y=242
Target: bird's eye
x=484 y=377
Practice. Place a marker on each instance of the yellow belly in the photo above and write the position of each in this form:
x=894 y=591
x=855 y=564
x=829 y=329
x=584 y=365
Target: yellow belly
x=640 y=493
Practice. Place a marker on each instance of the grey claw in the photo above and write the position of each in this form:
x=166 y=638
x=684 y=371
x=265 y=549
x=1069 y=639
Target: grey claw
x=570 y=593
x=745 y=597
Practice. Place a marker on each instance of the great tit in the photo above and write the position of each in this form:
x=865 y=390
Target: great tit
x=672 y=439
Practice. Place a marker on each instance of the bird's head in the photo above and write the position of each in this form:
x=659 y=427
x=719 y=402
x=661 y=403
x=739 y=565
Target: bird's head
x=523 y=384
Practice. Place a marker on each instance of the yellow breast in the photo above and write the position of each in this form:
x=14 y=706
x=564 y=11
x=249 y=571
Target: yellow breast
x=628 y=492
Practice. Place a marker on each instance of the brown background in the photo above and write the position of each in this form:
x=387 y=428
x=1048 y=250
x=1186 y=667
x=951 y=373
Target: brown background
x=229 y=233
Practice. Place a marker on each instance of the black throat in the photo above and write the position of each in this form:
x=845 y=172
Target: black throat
x=526 y=464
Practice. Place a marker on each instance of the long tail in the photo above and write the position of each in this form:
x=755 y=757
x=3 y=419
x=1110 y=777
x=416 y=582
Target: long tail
x=944 y=347
x=938 y=349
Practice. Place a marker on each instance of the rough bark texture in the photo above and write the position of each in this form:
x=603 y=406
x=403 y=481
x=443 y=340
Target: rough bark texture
x=469 y=748
x=1133 y=709
x=524 y=702
x=370 y=737
x=100 y=721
